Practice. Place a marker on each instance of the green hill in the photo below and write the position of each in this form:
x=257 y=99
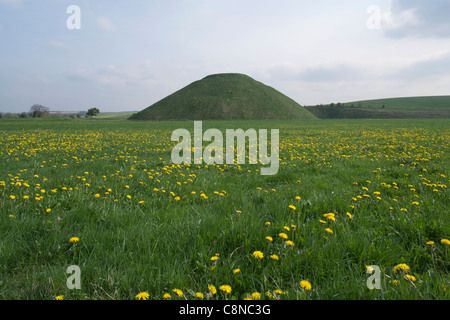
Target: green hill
x=224 y=96
x=405 y=107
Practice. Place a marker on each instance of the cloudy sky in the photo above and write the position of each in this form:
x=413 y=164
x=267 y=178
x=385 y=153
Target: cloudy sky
x=126 y=55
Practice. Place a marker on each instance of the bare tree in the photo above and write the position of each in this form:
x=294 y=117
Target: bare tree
x=39 y=111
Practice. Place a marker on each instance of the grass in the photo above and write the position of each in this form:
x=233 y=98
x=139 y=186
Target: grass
x=143 y=224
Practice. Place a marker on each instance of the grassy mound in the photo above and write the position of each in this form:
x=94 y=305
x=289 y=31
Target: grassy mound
x=224 y=96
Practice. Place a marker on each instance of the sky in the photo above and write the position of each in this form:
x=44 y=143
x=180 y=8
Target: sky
x=126 y=55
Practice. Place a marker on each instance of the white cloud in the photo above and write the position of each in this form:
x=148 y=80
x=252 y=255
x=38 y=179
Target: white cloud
x=417 y=18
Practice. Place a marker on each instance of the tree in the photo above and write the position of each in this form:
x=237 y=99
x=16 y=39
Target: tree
x=92 y=112
x=39 y=111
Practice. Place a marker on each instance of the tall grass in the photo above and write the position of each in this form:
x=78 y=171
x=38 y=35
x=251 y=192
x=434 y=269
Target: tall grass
x=143 y=224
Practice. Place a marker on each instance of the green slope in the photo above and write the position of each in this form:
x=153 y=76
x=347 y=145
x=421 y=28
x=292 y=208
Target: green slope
x=405 y=107
x=224 y=96
x=410 y=104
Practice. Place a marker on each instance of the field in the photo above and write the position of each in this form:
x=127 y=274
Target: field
x=400 y=108
x=104 y=195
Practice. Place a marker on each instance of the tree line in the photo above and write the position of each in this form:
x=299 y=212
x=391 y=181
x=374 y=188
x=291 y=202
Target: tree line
x=40 y=111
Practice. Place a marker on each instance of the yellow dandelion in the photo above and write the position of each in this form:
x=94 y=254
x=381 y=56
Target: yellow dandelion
x=212 y=289
x=178 y=292
x=59 y=298
x=445 y=241
x=289 y=243
x=258 y=254
x=48 y=210
x=74 y=239
x=236 y=271
x=283 y=235
x=199 y=295
x=274 y=257
x=166 y=296
x=305 y=285
x=142 y=296
x=225 y=288
x=430 y=243
x=402 y=267
x=412 y=278
x=292 y=207
x=329 y=230
x=12 y=197
x=269 y=238
x=256 y=295
x=214 y=258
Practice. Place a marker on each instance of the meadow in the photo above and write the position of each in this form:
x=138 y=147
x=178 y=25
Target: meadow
x=104 y=195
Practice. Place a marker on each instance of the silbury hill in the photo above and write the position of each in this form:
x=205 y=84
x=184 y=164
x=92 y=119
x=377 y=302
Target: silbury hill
x=222 y=97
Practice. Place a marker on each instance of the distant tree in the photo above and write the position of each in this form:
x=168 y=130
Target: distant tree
x=39 y=111
x=92 y=112
x=1 y=115
x=10 y=115
x=23 y=115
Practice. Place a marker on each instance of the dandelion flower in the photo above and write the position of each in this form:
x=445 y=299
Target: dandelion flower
x=258 y=254
x=274 y=257
x=143 y=295
x=178 y=292
x=283 y=235
x=74 y=239
x=430 y=243
x=445 y=241
x=305 y=285
x=225 y=288
x=256 y=295
x=402 y=266
x=214 y=258
x=236 y=271
x=289 y=243
x=292 y=207
x=12 y=197
x=199 y=295
x=212 y=289
x=48 y=210
x=412 y=278
x=166 y=296
x=269 y=238
x=59 y=298
x=329 y=230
